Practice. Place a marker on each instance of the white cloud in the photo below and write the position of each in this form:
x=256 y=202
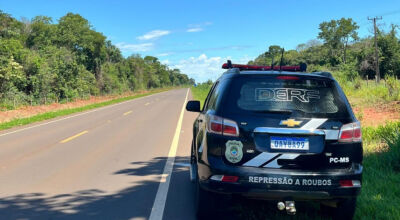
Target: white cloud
x=198 y=29
x=154 y=35
x=163 y=54
x=203 y=68
x=166 y=62
x=135 y=47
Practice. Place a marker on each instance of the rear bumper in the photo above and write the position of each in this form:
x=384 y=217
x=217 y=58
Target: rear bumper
x=275 y=184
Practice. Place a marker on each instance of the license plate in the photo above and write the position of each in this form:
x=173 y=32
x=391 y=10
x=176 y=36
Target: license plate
x=289 y=143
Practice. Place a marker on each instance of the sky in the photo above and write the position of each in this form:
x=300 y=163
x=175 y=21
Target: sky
x=199 y=36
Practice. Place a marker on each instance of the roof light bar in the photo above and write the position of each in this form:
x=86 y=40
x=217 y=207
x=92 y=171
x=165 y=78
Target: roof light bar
x=300 y=68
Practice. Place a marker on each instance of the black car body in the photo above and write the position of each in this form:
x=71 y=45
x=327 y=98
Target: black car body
x=277 y=135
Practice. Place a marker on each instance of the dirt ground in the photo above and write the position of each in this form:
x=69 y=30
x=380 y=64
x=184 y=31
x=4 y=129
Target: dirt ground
x=28 y=111
x=369 y=116
x=379 y=114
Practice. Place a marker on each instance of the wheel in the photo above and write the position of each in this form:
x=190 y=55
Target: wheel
x=193 y=166
x=344 y=209
x=206 y=203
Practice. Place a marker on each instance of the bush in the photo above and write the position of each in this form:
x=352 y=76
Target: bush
x=390 y=133
x=13 y=99
x=393 y=86
x=346 y=72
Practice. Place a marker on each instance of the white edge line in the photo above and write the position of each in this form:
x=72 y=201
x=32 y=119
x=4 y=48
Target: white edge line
x=157 y=210
x=80 y=114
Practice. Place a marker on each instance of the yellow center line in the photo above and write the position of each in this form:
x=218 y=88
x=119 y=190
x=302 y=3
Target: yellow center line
x=127 y=113
x=73 y=137
x=147 y=103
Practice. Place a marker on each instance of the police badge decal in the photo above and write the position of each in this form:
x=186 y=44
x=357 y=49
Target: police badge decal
x=234 y=151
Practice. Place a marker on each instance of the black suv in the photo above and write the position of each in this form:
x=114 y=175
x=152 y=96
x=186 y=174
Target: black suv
x=277 y=133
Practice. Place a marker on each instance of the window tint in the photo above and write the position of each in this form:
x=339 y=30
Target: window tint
x=211 y=102
x=303 y=96
x=213 y=98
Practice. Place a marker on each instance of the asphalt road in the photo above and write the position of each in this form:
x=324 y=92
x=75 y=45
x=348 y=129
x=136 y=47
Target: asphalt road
x=107 y=163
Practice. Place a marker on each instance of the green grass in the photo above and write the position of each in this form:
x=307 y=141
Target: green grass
x=380 y=196
x=200 y=92
x=368 y=93
x=63 y=112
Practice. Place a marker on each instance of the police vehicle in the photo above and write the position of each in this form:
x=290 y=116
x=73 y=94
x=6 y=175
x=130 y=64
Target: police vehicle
x=276 y=133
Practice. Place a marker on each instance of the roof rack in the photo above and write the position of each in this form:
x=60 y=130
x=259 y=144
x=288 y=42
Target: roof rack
x=300 y=68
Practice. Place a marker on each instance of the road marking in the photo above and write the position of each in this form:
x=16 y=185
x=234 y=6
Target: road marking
x=73 y=116
x=127 y=113
x=73 y=137
x=148 y=103
x=157 y=210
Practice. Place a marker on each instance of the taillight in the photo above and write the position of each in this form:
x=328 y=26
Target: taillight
x=218 y=125
x=349 y=183
x=224 y=178
x=350 y=132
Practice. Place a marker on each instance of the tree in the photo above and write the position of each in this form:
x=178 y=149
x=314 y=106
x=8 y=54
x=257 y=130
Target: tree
x=272 y=56
x=336 y=34
x=389 y=48
x=42 y=32
x=11 y=74
x=272 y=52
x=51 y=61
x=9 y=26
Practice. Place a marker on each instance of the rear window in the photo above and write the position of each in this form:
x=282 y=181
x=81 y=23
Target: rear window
x=299 y=96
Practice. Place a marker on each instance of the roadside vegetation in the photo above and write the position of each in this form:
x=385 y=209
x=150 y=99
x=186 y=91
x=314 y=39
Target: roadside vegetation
x=338 y=49
x=200 y=91
x=42 y=61
x=53 y=114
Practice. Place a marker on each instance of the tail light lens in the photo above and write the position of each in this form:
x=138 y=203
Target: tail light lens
x=230 y=179
x=223 y=126
x=349 y=183
x=350 y=132
x=224 y=178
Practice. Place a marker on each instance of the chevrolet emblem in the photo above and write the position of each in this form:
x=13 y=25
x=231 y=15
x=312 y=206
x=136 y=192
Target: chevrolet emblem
x=290 y=122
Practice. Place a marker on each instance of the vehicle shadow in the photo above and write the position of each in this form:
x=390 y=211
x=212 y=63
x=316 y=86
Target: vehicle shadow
x=131 y=202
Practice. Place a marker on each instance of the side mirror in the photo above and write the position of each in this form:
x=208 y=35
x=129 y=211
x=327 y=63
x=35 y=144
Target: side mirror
x=193 y=106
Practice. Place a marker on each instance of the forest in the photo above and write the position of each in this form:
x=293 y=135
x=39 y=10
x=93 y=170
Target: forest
x=339 y=49
x=43 y=62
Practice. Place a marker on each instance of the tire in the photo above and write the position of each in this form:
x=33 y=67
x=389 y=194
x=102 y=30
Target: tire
x=344 y=209
x=206 y=203
x=193 y=166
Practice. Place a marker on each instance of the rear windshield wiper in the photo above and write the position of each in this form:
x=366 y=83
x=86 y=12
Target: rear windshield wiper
x=274 y=111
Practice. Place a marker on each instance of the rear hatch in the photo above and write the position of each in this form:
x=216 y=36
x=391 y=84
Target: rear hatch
x=287 y=122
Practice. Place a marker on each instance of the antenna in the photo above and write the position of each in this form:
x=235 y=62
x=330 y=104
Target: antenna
x=280 y=65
